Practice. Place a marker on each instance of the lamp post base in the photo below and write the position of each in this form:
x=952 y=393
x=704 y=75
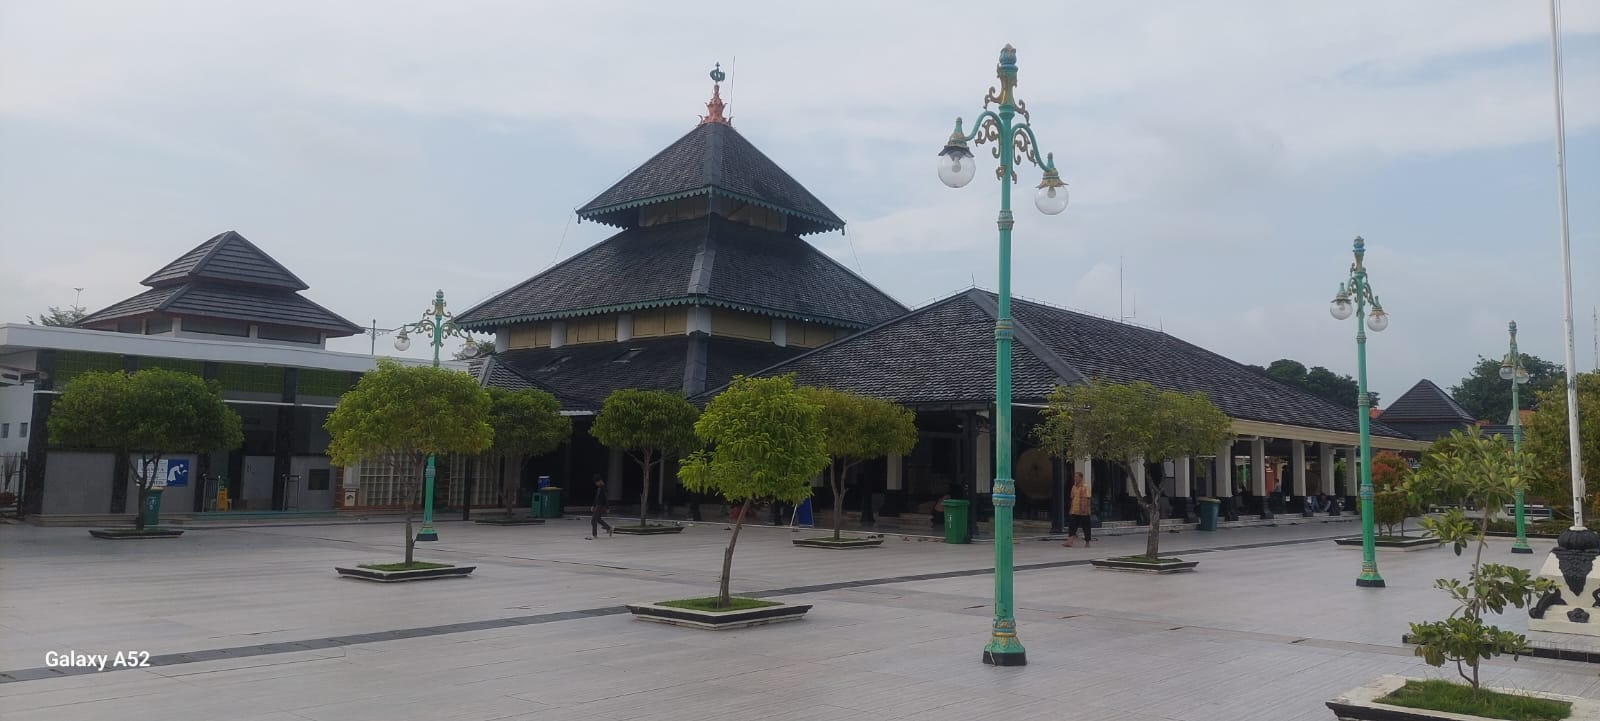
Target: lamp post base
x=1369 y=581
x=1005 y=651
x=1521 y=547
x=427 y=534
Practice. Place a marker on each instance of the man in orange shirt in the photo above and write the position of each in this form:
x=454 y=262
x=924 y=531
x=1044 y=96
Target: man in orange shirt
x=1078 y=512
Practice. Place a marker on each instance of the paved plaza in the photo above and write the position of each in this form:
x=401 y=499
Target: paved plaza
x=251 y=623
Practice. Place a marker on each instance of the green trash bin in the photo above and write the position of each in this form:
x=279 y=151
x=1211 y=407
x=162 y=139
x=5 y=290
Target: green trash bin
x=551 y=502
x=955 y=521
x=536 y=506
x=1208 y=513
x=150 y=507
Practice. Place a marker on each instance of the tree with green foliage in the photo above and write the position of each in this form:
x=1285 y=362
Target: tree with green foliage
x=646 y=425
x=1317 y=381
x=399 y=415
x=860 y=428
x=1131 y=423
x=61 y=317
x=1548 y=443
x=1483 y=471
x=765 y=438
x=150 y=414
x=1392 y=500
x=1487 y=396
x=527 y=423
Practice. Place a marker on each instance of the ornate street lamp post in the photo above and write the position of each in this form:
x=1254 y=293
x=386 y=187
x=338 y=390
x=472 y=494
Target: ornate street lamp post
x=438 y=325
x=1511 y=369
x=1357 y=289
x=1015 y=142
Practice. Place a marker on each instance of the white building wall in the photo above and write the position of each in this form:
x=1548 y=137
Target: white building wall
x=16 y=410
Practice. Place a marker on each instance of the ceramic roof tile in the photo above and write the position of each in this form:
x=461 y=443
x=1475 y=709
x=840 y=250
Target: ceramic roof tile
x=1426 y=401
x=227 y=257
x=712 y=155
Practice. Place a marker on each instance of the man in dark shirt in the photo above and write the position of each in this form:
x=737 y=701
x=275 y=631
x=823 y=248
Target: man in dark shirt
x=596 y=510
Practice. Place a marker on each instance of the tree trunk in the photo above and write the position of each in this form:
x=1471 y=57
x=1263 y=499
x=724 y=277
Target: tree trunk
x=1152 y=507
x=644 y=487
x=723 y=599
x=837 y=481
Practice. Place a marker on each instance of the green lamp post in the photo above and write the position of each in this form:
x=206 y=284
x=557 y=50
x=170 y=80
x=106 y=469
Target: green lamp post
x=1511 y=369
x=1354 y=296
x=1014 y=143
x=438 y=325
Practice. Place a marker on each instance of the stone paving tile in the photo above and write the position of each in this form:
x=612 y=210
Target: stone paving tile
x=1224 y=642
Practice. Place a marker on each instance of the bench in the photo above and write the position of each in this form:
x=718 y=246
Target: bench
x=1531 y=511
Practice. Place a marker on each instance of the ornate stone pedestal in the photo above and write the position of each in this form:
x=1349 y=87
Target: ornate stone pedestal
x=1575 y=605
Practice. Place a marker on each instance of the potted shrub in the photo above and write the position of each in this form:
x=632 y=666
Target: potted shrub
x=764 y=438
x=1133 y=422
x=141 y=416
x=402 y=417
x=858 y=428
x=1483 y=471
x=646 y=425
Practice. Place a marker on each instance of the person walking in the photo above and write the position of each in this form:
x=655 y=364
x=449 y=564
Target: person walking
x=1078 y=511
x=597 y=510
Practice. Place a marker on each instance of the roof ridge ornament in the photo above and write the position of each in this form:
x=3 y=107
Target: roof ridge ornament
x=715 y=106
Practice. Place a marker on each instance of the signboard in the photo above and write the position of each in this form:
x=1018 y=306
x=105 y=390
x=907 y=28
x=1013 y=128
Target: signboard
x=171 y=473
x=802 y=514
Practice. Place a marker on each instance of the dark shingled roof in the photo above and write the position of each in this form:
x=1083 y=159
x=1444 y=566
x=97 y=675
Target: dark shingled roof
x=491 y=371
x=1426 y=402
x=712 y=158
x=707 y=260
x=226 y=257
x=227 y=277
x=944 y=354
x=581 y=376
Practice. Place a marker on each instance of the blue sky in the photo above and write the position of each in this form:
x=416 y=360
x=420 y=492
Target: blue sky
x=1223 y=154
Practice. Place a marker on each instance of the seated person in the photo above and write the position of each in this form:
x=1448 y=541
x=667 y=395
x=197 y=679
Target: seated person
x=1317 y=503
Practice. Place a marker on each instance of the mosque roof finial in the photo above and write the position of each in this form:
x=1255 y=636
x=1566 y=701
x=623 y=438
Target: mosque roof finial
x=715 y=106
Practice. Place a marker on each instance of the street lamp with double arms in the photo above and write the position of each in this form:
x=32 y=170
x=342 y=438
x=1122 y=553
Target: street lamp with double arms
x=1354 y=296
x=1014 y=143
x=1511 y=369
x=438 y=325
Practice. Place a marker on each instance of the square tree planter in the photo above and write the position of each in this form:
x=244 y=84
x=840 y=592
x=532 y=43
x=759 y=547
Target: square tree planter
x=654 y=529
x=844 y=542
x=1419 y=543
x=718 y=620
x=1139 y=564
x=1361 y=704
x=129 y=534
x=508 y=521
x=435 y=570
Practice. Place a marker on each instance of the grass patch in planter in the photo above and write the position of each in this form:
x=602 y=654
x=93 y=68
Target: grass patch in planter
x=831 y=542
x=1460 y=698
x=412 y=566
x=654 y=529
x=116 y=534
x=709 y=604
x=1145 y=559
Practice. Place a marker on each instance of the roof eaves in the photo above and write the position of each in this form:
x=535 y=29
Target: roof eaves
x=1064 y=371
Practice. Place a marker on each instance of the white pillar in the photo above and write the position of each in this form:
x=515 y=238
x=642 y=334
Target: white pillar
x=558 y=333
x=1135 y=482
x=896 y=479
x=502 y=340
x=1352 y=483
x=1258 y=467
x=1222 y=485
x=1084 y=465
x=1297 y=466
x=1325 y=451
x=1181 y=476
x=780 y=333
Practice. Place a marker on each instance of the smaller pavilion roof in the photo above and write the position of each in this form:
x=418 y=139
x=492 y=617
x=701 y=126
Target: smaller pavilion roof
x=228 y=257
x=943 y=354
x=1426 y=402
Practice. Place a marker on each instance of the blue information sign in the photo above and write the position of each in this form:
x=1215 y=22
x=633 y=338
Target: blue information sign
x=174 y=472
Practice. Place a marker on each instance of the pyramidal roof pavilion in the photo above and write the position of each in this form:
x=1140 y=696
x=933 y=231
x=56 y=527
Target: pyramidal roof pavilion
x=708 y=277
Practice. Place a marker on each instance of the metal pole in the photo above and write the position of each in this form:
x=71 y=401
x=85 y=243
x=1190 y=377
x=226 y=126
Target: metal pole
x=1521 y=544
x=1579 y=537
x=1004 y=649
x=427 y=532
x=1369 y=577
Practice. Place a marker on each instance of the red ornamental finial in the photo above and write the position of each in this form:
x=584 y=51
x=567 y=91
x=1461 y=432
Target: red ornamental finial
x=714 y=108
